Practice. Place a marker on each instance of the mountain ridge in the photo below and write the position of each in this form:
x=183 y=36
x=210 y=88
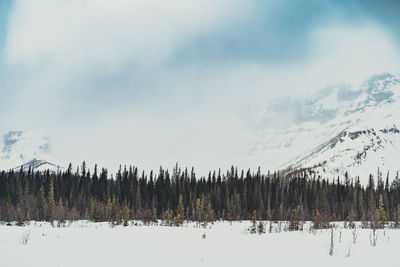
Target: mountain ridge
x=336 y=130
x=26 y=150
x=339 y=129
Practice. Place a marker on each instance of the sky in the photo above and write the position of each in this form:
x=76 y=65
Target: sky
x=154 y=82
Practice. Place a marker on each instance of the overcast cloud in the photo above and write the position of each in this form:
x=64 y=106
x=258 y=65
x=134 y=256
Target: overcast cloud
x=153 y=82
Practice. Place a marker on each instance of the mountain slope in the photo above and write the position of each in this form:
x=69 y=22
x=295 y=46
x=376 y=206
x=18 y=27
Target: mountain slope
x=339 y=129
x=336 y=130
x=26 y=149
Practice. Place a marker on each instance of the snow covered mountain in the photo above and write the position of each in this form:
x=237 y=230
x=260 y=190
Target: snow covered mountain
x=336 y=130
x=25 y=149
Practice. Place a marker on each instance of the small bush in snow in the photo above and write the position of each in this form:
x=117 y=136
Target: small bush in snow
x=26 y=236
x=203 y=236
x=348 y=252
x=373 y=237
x=331 y=244
x=355 y=235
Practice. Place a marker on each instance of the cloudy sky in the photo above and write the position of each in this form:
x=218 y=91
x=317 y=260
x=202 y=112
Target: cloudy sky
x=154 y=82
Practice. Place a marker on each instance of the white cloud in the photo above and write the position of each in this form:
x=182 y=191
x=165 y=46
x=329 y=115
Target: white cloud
x=352 y=53
x=84 y=34
x=336 y=53
x=201 y=118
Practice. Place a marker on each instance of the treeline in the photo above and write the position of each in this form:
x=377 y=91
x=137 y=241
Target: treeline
x=180 y=195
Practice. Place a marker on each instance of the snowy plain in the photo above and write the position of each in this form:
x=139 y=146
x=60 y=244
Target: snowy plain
x=86 y=244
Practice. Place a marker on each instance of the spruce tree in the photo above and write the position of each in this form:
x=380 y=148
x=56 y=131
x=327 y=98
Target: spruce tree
x=25 y=202
x=316 y=219
x=41 y=204
x=62 y=211
x=253 y=227
x=360 y=205
x=125 y=215
x=180 y=212
x=199 y=210
x=138 y=200
x=371 y=204
x=260 y=227
x=381 y=212
x=51 y=205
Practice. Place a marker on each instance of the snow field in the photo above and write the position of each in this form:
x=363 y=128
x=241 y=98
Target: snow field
x=225 y=244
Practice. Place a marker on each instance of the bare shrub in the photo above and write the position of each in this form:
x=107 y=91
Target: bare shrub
x=279 y=229
x=355 y=235
x=26 y=236
x=373 y=237
x=203 y=236
x=348 y=252
x=270 y=227
x=331 y=244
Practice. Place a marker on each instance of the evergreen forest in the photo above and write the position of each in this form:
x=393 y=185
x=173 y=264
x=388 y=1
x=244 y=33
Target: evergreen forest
x=178 y=196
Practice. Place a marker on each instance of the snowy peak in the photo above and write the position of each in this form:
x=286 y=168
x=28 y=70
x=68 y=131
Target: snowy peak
x=340 y=101
x=380 y=88
x=356 y=151
x=37 y=164
x=25 y=149
x=340 y=128
x=367 y=136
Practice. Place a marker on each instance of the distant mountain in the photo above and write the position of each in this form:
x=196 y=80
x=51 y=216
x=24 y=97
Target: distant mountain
x=338 y=129
x=26 y=149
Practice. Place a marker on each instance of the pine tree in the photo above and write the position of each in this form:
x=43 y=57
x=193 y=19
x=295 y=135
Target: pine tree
x=154 y=215
x=166 y=217
x=210 y=216
x=109 y=210
x=138 y=201
x=260 y=227
x=114 y=211
x=199 y=210
x=51 y=206
x=360 y=205
x=20 y=217
x=253 y=227
x=316 y=219
x=381 y=212
x=371 y=204
x=294 y=223
x=281 y=212
x=125 y=215
x=180 y=212
x=397 y=217
x=41 y=204
x=25 y=202
x=60 y=214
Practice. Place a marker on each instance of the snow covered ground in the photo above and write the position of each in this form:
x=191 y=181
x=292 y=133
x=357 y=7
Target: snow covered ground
x=225 y=244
